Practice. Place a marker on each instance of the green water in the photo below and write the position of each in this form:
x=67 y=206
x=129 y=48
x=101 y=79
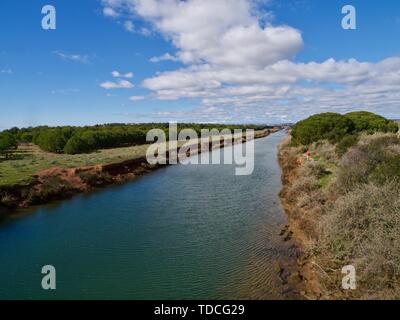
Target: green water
x=183 y=232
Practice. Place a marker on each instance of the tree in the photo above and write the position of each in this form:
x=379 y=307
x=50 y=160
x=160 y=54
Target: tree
x=324 y=126
x=371 y=123
x=7 y=144
x=76 y=145
x=52 y=140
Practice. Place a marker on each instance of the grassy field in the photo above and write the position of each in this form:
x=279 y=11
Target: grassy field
x=29 y=160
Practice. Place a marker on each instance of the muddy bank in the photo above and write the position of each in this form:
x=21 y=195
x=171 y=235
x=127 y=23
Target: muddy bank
x=58 y=183
x=297 y=231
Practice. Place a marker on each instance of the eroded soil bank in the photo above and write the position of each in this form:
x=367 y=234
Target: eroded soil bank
x=296 y=231
x=58 y=183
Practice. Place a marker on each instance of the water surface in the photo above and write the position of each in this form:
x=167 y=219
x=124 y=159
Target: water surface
x=183 y=232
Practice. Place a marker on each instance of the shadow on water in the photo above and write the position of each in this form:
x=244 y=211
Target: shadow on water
x=4 y=213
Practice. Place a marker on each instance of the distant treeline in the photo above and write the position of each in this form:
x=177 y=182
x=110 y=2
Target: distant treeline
x=76 y=140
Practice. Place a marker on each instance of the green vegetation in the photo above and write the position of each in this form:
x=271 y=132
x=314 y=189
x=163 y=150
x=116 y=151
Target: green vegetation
x=370 y=123
x=346 y=143
x=334 y=127
x=30 y=159
x=7 y=144
x=78 y=140
x=346 y=203
x=325 y=126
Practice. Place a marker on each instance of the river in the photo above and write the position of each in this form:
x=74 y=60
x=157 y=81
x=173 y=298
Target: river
x=181 y=232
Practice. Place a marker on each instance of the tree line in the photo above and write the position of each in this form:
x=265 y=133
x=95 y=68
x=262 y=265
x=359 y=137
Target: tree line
x=77 y=140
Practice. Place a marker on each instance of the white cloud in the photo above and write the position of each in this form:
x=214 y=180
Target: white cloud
x=165 y=57
x=121 y=84
x=129 y=26
x=117 y=74
x=238 y=62
x=203 y=34
x=110 y=12
x=136 y=98
x=73 y=57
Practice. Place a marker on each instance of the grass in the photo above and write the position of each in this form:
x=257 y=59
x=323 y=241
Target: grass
x=29 y=160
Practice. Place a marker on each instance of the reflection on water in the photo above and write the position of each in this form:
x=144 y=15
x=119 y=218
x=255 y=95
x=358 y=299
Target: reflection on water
x=193 y=232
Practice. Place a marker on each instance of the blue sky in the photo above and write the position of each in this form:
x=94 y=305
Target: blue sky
x=60 y=76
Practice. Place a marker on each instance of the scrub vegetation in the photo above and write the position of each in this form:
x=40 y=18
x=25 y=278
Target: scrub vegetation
x=344 y=203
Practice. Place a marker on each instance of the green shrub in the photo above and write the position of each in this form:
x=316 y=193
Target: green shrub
x=345 y=144
x=7 y=144
x=389 y=169
x=324 y=126
x=52 y=140
x=371 y=123
x=76 y=145
x=26 y=137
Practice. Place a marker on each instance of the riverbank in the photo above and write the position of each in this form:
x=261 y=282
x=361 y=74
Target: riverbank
x=58 y=183
x=342 y=202
x=298 y=228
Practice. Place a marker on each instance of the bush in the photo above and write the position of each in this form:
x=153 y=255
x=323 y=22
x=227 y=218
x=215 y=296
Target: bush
x=334 y=127
x=26 y=137
x=324 y=126
x=354 y=169
x=372 y=159
x=371 y=123
x=345 y=144
x=389 y=169
x=325 y=151
x=76 y=145
x=7 y=144
x=362 y=229
x=52 y=140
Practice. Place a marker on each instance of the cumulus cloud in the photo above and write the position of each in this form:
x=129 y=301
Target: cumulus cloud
x=121 y=84
x=239 y=65
x=201 y=33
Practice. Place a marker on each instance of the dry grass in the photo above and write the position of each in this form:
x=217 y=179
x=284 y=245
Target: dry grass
x=353 y=219
x=363 y=229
